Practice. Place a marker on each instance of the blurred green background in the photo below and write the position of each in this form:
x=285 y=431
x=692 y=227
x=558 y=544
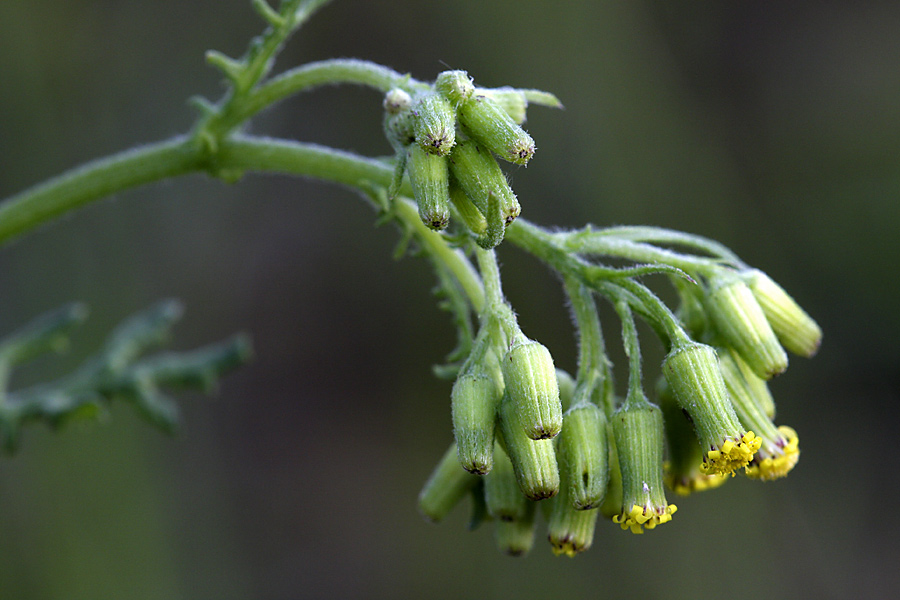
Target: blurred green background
x=773 y=127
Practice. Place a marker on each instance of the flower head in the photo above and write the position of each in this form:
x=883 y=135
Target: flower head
x=638 y=431
x=692 y=371
x=776 y=460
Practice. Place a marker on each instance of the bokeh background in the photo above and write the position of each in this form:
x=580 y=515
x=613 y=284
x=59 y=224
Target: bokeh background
x=773 y=127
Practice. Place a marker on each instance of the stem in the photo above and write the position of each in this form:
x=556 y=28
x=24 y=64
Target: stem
x=632 y=350
x=659 y=235
x=305 y=78
x=496 y=309
x=593 y=365
x=95 y=180
x=635 y=251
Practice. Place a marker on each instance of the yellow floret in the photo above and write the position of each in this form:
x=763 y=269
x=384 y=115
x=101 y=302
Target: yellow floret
x=687 y=484
x=731 y=456
x=639 y=517
x=780 y=463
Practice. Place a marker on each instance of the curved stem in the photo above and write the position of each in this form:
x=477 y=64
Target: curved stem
x=305 y=78
x=95 y=180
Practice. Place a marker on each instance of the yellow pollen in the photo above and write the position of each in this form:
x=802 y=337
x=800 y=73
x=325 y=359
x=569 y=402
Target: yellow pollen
x=639 y=517
x=781 y=462
x=731 y=456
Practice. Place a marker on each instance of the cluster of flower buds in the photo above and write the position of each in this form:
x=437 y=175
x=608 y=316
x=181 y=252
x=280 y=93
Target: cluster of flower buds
x=526 y=433
x=447 y=140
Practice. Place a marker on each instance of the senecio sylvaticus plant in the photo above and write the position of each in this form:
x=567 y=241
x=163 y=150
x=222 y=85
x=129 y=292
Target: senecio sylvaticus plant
x=527 y=435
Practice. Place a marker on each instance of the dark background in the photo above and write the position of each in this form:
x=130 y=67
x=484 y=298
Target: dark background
x=773 y=127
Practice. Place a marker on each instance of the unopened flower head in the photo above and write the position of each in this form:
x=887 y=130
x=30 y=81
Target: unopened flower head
x=584 y=455
x=435 y=124
x=429 y=178
x=692 y=371
x=480 y=177
x=795 y=329
x=638 y=429
x=474 y=403
x=533 y=461
x=516 y=538
x=741 y=322
x=396 y=100
x=570 y=530
x=448 y=484
x=530 y=379
x=502 y=496
x=489 y=123
x=456 y=86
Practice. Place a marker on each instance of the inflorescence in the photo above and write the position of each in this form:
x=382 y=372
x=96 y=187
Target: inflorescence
x=528 y=433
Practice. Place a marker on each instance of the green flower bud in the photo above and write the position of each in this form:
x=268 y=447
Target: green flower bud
x=795 y=329
x=681 y=472
x=511 y=100
x=429 y=178
x=502 y=495
x=638 y=429
x=467 y=211
x=398 y=129
x=570 y=531
x=487 y=122
x=474 y=402
x=516 y=538
x=448 y=484
x=530 y=379
x=533 y=461
x=396 y=100
x=583 y=455
x=435 y=124
x=692 y=371
x=480 y=176
x=779 y=451
x=741 y=322
x=456 y=86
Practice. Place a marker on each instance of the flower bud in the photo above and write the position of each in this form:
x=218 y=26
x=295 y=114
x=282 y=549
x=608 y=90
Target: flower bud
x=428 y=176
x=530 y=379
x=502 y=495
x=779 y=450
x=398 y=129
x=692 y=371
x=396 y=100
x=435 y=124
x=448 y=484
x=533 y=461
x=468 y=212
x=638 y=429
x=487 y=122
x=795 y=329
x=511 y=100
x=570 y=531
x=516 y=538
x=583 y=455
x=474 y=402
x=456 y=86
x=741 y=322
x=480 y=177
x=681 y=472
